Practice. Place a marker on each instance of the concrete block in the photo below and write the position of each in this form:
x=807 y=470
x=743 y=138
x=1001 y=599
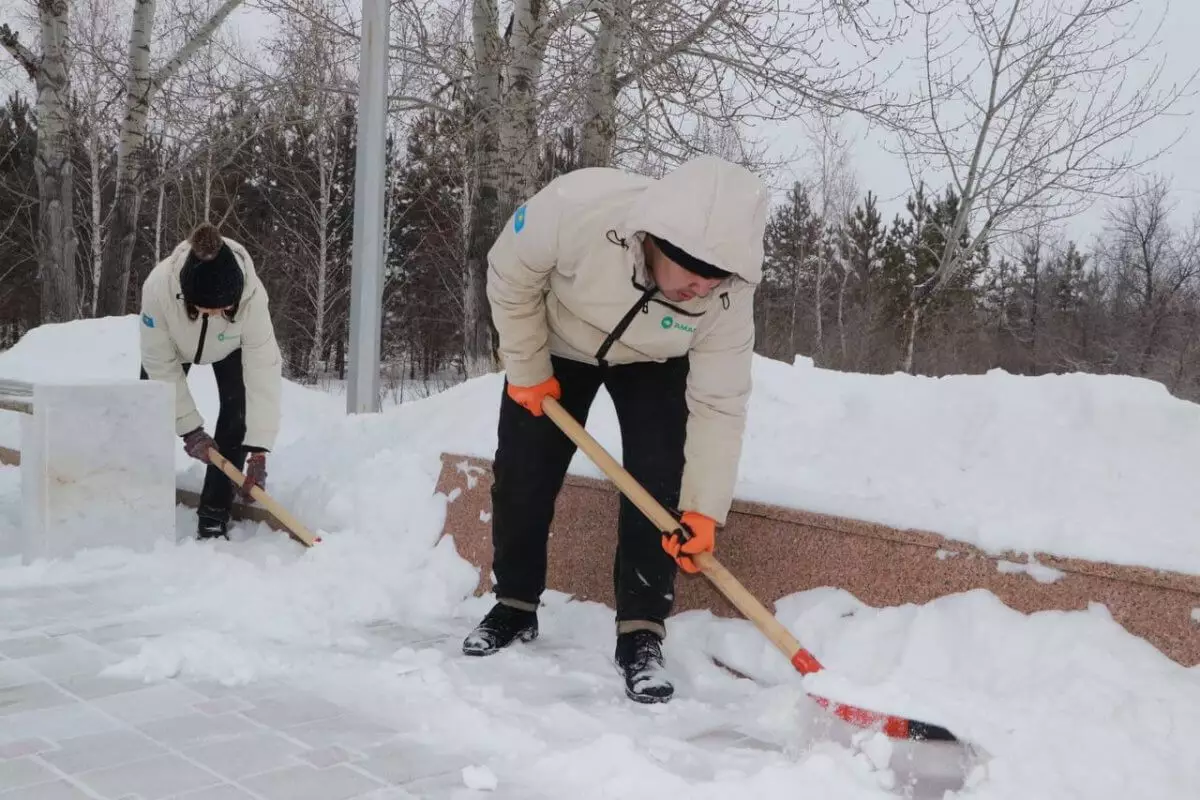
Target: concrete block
x=97 y=468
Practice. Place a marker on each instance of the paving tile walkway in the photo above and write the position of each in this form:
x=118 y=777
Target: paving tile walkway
x=69 y=733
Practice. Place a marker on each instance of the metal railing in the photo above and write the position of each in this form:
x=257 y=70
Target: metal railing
x=16 y=396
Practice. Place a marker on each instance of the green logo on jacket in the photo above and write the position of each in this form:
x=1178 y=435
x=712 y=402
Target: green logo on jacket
x=668 y=322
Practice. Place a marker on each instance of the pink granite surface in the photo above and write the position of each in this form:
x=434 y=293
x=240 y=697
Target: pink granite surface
x=775 y=552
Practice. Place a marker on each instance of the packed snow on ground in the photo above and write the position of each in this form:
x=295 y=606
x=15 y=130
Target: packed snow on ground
x=1062 y=705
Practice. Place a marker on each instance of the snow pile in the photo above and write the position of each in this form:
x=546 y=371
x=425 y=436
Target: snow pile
x=1065 y=705
x=1094 y=467
x=106 y=349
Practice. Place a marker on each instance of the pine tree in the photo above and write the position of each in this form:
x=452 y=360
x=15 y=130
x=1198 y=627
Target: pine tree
x=867 y=237
x=793 y=244
x=424 y=297
x=20 y=299
x=1068 y=271
x=912 y=251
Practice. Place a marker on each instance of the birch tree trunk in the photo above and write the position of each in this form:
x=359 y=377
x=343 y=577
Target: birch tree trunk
x=97 y=223
x=527 y=44
x=55 y=173
x=324 y=220
x=478 y=353
x=50 y=73
x=127 y=199
x=141 y=87
x=600 y=114
x=841 y=313
x=208 y=182
x=158 y=222
x=819 y=303
x=910 y=339
x=792 y=349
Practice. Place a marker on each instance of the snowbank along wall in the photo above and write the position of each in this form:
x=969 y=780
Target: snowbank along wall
x=778 y=551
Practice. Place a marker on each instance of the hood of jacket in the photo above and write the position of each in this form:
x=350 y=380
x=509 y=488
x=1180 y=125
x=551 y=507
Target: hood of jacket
x=713 y=209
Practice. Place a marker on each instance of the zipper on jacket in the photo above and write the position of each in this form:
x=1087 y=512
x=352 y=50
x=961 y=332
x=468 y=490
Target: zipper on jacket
x=681 y=311
x=614 y=238
x=640 y=305
x=200 y=346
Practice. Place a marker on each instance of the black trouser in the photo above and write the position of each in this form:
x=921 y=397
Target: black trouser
x=531 y=462
x=216 y=498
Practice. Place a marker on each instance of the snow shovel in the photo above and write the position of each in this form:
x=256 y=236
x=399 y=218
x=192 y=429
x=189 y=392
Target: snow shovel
x=295 y=529
x=803 y=661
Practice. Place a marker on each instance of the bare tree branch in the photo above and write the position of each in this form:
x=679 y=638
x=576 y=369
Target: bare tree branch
x=1029 y=132
x=29 y=61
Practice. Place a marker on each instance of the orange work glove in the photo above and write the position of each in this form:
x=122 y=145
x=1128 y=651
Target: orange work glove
x=704 y=540
x=530 y=397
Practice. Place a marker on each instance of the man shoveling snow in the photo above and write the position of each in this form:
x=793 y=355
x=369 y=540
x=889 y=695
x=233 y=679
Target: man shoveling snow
x=645 y=287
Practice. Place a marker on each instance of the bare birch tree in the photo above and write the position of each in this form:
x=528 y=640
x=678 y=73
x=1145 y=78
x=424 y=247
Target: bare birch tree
x=659 y=71
x=524 y=55
x=484 y=219
x=318 y=199
x=1154 y=264
x=834 y=179
x=142 y=85
x=96 y=48
x=49 y=69
x=1032 y=129
x=717 y=63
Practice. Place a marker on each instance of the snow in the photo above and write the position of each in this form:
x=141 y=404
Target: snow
x=479 y=777
x=1060 y=704
x=1035 y=569
x=1093 y=467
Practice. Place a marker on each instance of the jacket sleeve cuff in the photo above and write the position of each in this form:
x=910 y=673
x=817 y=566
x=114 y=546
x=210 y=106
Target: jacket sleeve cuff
x=188 y=423
x=714 y=505
x=529 y=372
x=259 y=440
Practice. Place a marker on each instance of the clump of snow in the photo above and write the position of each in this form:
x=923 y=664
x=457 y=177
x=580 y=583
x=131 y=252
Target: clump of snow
x=1042 y=573
x=1061 y=704
x=479 y=778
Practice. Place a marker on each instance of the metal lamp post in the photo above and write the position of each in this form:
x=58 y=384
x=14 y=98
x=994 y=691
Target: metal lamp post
x=366 y=279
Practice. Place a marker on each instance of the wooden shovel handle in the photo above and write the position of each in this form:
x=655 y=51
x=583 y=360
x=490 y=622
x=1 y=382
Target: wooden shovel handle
x=803 y=661
x=298 y=530
x=722 y=578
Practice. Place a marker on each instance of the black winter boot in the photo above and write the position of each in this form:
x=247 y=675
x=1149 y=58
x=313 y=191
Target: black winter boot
x=639 y=655
x=211 y=526
x=502 y=626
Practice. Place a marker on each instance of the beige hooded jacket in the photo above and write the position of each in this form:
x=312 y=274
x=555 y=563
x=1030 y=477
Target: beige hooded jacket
x=569 y=265
x=169 y=340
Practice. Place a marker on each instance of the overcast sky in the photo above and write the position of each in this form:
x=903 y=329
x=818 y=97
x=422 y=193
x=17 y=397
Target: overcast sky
x=1176 y=44
x=884 y=173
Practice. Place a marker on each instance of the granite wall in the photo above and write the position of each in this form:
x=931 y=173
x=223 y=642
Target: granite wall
x=776 y=551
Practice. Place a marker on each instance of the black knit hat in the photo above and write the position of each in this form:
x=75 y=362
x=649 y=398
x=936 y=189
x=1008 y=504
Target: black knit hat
x=689 y=261
x=211 y=276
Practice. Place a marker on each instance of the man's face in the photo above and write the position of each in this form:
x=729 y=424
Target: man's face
x=676 y=283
